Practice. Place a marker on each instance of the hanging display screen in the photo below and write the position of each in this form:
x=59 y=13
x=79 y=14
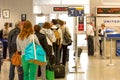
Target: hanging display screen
x=108 y=10
x=60 y=8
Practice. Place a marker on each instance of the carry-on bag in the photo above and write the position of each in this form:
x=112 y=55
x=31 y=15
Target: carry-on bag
x=59 y=71
x=35 y=53
x=49 y=72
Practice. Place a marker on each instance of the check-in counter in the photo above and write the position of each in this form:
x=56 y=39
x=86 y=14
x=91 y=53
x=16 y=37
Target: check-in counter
x=110 y=44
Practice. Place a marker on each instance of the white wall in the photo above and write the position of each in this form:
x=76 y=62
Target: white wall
x=16 y=7
x=94 y=3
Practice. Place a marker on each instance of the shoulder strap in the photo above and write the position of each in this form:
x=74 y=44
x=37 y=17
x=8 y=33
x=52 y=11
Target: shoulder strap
x=34 y=46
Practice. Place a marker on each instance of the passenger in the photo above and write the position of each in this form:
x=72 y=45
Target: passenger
x=101 y=35
x=64 y=44
x=90 y=38
x=55 y=27
x=49 y=35
x=23 y=39
x=12 y=47
x=5 y=39
x=42 y=40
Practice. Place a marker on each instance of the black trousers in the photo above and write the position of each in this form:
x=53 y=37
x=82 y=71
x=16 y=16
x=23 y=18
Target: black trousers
x=64 y=57
x=5 y=44
x=90 y=41
x=56 y=49
x=12 y=72
x=100 y=41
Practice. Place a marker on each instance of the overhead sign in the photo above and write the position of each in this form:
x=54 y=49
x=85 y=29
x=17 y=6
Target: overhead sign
x=107 y=11
x=108 y=21
x=75 y=11
x=60 y=8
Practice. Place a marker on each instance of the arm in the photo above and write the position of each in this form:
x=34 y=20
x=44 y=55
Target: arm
x=45 y=45
x=61 y=35
x=18 y=45
x=9 y=43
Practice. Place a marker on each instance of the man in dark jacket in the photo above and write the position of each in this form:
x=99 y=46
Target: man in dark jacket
x=12 y=49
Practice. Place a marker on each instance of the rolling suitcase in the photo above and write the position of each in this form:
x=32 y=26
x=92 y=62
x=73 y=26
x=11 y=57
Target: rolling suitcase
x=59 y=71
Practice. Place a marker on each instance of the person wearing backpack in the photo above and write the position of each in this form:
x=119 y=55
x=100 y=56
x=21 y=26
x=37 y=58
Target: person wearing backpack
x=12 y=47
x=64 y=48
x=58 y=34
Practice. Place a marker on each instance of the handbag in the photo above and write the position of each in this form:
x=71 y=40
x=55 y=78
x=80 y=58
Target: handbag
x=49 y=72
x=16 y=59
x=67 y=38
x=35 y=53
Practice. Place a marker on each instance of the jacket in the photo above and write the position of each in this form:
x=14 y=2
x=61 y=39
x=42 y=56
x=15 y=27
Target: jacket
x=12 y=47
x=43 y=42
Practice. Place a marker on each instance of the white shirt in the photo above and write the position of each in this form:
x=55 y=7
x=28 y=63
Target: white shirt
x=89 y=30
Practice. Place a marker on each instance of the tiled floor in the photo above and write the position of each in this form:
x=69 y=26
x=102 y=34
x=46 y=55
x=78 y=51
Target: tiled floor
x=88 y=68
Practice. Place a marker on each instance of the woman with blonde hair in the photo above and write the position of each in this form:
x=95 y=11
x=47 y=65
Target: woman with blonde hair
x=24 y=38
x=101 y=35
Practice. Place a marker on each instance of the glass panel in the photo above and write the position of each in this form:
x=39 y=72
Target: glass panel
x=40 y=19
x=52 y=16
x=81 y=40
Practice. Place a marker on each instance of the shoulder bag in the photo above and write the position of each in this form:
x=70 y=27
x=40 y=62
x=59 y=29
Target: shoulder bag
x=67 y=37
x=35 y=53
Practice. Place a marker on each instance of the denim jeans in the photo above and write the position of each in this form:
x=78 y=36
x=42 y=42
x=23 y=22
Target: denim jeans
x=12 y=72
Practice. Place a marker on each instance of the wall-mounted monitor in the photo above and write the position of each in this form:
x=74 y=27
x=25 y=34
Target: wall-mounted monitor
x=107 y=11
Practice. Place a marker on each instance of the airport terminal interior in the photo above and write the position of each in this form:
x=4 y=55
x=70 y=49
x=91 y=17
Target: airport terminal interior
x=77 y=14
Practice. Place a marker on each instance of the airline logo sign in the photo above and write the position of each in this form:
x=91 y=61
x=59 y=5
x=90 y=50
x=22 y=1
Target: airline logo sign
x=75 y=11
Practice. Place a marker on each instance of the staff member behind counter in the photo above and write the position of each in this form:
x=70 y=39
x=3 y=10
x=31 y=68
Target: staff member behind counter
x=90 y=39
